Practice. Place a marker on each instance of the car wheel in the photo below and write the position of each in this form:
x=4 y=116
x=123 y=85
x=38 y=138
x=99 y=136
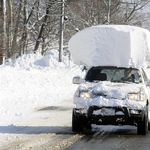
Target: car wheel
x=148 y=121
x=142 y=127
x=88 y=126
x=77 y=123
x=148 y=126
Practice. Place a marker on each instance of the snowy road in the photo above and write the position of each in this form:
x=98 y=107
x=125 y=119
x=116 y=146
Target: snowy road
x=49 y=127
x=113 y=138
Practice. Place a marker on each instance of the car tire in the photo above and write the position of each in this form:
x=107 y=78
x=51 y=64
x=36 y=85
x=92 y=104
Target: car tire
x=148 y=126
x=148 y=121
x=142 y=127
x=88 y=126
x=77 y=123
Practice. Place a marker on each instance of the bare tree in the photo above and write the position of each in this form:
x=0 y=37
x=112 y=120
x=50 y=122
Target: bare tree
x=9 y=27
x=42 y=28
x=15 y=44
x=34 y=25
x=85 y=13
x=45 y=30
x=2 y=30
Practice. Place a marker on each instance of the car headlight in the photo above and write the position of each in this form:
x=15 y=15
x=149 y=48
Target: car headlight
x=136 y=96
x=84 y=94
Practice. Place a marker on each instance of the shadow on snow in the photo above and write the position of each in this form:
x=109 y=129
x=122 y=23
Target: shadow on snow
x=96 y=131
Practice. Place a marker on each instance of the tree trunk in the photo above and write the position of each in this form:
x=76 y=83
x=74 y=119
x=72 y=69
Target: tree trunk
x=41 y=30
x=14 y=42
x=24 y=35
x=2 y=30
x=24 y=39
x=9 y=28
x=38 y=5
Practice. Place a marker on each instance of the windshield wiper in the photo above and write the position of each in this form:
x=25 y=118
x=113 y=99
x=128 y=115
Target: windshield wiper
x=92 y=81
x=122 y=81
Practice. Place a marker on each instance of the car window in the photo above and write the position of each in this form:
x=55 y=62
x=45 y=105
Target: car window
x=113 y=75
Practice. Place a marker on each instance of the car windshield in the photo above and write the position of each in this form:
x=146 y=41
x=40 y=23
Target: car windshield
x=123 y=75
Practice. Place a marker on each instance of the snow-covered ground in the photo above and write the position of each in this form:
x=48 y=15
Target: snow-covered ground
x=32 y=81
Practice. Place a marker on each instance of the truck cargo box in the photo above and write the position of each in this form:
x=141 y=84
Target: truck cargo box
x=111 y=45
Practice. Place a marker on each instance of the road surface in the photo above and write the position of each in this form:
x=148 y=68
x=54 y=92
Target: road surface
x=49 y=128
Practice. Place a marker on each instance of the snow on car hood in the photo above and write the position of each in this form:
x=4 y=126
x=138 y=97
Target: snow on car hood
x=111 y=90
x=115 y=94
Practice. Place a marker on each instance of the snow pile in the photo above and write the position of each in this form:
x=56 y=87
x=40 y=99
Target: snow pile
x=25 y=61
x=32 y=61
x=111 y=45
x=32 y=81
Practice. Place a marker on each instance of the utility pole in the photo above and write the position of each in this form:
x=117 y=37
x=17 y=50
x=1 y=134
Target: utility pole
x=61 y=31
x=108 y=15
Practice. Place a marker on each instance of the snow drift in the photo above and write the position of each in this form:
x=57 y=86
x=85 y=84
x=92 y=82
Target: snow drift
x=31 y=81
x=111 y=45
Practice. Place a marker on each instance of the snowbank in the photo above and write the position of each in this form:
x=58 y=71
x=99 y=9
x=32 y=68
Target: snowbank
x=111 y=45
x=32 y=81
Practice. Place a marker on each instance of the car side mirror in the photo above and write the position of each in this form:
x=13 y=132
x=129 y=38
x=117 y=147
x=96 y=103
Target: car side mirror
x=77 y=80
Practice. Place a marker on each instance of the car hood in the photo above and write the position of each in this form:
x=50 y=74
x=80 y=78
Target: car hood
x=111 y=90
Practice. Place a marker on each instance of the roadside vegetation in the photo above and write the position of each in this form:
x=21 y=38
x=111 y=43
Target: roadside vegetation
x=29 y=26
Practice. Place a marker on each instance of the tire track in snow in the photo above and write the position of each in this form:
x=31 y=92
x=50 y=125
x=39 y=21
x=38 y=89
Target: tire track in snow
x=67 y=142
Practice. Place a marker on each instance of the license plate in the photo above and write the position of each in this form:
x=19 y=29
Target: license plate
x=108 y=112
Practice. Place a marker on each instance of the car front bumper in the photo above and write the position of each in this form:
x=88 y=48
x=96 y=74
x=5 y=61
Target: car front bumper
x=114 y=116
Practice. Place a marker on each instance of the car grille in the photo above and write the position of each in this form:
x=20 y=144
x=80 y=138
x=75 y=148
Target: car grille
x=94 y=95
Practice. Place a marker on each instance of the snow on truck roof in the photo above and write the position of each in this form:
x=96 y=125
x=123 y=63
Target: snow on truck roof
x=111 y=45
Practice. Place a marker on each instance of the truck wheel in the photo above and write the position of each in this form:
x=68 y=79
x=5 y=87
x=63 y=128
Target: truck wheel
x=77 y=123
x=142 y=127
